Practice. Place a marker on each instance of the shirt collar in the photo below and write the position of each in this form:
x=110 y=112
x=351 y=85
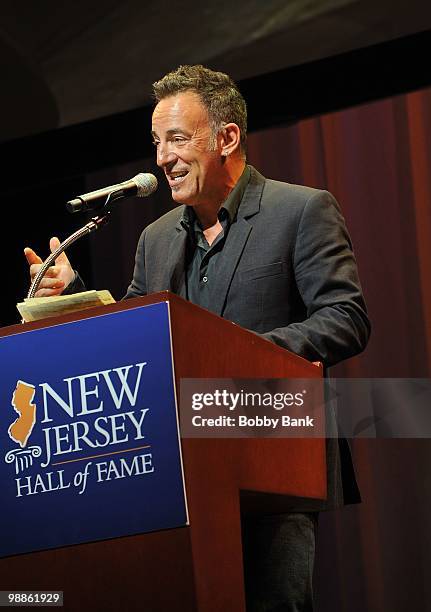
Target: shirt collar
x=233 y=200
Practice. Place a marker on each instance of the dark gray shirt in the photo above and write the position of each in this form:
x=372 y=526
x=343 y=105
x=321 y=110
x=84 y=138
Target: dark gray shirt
x=202 y=258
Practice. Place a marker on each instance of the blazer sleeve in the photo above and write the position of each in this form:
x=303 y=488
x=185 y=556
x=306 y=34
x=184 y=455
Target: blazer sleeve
x=75 y=286
x=138 y=286
x=336 y=325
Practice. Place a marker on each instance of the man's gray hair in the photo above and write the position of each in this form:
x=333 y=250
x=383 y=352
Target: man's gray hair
x=217 y=91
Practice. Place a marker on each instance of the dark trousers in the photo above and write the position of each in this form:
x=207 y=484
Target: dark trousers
x=278 y=562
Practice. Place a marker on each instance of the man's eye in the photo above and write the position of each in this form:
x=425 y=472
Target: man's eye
x=178 y=139
x=156 y=143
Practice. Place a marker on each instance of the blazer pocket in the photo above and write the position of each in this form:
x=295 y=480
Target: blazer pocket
x=273 y=269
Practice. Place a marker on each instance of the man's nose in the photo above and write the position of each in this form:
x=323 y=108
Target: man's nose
x=165 y=155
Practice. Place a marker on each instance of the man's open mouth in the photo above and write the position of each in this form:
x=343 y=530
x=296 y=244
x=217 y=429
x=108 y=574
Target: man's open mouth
x=176 y=177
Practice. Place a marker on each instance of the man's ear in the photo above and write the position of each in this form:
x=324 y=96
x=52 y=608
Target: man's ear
x=230 y=139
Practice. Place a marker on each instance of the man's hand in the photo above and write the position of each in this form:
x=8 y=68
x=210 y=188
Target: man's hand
x=56 y=277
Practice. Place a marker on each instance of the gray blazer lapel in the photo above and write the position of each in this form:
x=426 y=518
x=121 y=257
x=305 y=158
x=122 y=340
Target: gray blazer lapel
x=176 y=262
x=236 y=241
x=228 y=262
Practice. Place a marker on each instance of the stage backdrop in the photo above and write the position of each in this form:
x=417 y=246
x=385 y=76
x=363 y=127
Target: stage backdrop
x=376 y=159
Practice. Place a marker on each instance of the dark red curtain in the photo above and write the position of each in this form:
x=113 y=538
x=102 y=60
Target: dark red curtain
x=376 y=160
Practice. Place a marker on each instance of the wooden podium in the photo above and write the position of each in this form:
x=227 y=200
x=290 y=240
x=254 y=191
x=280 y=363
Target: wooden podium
x=199 y=567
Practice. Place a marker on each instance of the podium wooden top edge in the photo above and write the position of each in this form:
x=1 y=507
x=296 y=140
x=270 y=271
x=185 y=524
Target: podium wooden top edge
x=153 y=298
x=86 y=313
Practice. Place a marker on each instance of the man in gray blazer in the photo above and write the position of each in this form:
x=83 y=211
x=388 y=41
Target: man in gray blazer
x=274 y=258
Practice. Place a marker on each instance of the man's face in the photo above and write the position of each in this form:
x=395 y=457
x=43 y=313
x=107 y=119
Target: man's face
x=183 y=137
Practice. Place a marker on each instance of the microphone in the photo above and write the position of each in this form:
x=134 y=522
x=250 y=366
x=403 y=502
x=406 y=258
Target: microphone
x=141 y=185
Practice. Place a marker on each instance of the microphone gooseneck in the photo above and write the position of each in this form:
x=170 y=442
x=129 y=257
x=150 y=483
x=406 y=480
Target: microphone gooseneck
x=141 y=185
x=91 y=226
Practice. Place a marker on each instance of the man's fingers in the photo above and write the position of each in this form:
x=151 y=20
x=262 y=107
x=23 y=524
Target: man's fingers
x=34 y=269
x=54 y=243
x=62 y=259
x=51 y=283
x=48 y=292
x=51 y=273
x=57 y=277
x=31 y=256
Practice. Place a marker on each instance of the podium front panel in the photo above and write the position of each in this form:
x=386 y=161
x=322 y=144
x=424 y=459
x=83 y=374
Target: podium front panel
x=89 y=431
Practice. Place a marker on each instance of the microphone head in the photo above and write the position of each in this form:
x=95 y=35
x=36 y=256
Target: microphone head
x=146 y=184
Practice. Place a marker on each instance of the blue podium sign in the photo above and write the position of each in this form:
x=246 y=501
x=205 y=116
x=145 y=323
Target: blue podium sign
x=89 y=432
